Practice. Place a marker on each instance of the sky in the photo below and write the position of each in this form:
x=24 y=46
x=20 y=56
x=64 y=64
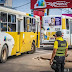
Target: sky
x=27 y=9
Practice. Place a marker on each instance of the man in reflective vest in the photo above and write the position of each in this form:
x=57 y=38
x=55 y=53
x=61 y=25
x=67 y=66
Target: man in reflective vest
x=59 y=52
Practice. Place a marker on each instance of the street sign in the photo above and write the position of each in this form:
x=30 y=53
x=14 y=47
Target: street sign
x=38 y=4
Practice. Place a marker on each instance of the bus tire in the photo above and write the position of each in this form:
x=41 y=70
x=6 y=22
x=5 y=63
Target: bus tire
x=3 y=54
x=33 y=49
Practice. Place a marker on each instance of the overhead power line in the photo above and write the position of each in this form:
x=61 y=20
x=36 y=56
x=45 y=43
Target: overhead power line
x=21 y=5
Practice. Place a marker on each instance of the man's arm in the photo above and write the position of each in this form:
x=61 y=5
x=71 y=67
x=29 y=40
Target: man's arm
x=54 y=51
x=66 y=50
x=53 y=54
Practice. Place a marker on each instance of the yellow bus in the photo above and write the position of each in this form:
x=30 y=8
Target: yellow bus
x=19 y=33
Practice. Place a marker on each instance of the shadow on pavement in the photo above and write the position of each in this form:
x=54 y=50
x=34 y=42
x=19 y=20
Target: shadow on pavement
x=14 y=56
x=50 y=48
x=46 y=48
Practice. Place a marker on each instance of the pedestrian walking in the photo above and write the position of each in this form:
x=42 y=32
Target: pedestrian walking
x=59 y=52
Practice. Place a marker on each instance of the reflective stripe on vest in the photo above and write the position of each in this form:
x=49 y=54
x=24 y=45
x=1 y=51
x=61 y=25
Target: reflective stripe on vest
x=61 y=48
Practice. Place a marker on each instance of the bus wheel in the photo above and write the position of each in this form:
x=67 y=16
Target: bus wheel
x=4 y=54
x=33 y=48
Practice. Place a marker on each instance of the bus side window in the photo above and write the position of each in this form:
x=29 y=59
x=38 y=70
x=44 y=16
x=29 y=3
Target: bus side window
x=28 y=24
x=3 y=22
x=3 y=17
x=24 y=24
x=30 y=20
x=9 y=17
x=4 y=27
x=11 y=23
x=33 y=25
x=13 y=19
x=19 y=26
x=11 y=27
x=67 y=24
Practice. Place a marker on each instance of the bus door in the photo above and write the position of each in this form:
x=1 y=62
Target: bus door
x=38 y=35
x=68 y=31
x=22 y=37
x=21 y=34
x=25 y=40
x=18 y=48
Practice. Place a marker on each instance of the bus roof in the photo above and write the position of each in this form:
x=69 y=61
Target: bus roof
x=8 y=10
x=13 y=11
x=63 y=16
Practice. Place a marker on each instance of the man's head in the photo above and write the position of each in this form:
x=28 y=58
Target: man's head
x=58 y=34
x=52 y=19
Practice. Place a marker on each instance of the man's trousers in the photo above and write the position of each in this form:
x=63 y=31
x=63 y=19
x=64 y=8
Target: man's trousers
x=60 y=60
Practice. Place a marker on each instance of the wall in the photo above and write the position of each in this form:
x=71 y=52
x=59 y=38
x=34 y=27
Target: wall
x=8 y=3
x=55 y=11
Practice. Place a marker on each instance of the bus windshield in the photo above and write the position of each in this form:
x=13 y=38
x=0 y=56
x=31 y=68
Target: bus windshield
x=7 y=25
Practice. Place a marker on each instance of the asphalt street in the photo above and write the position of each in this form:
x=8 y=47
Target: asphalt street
x=27 y=63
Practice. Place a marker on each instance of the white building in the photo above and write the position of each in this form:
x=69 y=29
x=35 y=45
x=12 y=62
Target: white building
x=7 y=3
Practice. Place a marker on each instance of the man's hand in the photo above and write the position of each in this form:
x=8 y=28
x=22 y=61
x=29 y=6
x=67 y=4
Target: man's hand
x=51 y=62
x=53 y=55
x=66 y=52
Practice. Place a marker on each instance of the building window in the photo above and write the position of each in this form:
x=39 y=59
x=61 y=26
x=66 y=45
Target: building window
x=67 y=24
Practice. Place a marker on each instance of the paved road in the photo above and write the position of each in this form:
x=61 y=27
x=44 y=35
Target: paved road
x=27 y=63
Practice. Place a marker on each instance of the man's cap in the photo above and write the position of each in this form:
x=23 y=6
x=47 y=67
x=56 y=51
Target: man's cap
x=58 y=33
